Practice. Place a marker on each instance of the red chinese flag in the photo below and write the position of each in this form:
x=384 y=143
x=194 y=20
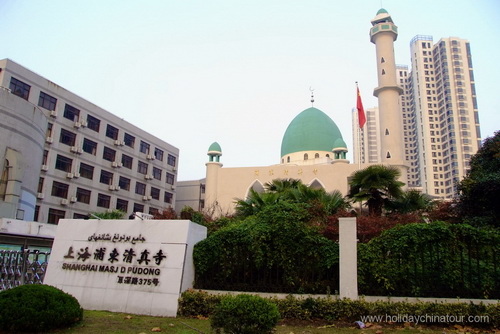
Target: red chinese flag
x=361 y=111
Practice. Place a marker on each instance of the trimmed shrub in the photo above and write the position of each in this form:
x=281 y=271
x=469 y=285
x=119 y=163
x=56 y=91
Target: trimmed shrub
x=200 y=303
x=37 y=308
x=244 y=314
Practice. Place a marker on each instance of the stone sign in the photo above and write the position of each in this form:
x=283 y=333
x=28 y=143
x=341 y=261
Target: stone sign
x=131 y=266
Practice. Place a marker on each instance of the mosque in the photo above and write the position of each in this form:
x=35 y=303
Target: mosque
x=312 y=148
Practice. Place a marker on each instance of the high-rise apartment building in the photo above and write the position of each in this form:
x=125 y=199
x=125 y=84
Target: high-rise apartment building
x=366 y=140
x=445 y=111
x=439 y=114
x=64 y=157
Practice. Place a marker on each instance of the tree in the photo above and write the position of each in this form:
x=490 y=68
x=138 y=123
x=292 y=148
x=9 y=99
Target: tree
x=115 y=214
x=479 y=191
x=376 y=185
x=411 y=201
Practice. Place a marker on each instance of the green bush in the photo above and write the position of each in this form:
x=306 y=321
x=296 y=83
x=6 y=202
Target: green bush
x=199 y=303
x=244 y=314
x=37 y=308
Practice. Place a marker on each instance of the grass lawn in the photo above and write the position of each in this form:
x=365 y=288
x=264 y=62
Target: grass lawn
x=108 y=322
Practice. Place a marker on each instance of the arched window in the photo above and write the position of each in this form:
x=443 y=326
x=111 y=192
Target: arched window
x=386 y=132
x=382 y=60
x=383 y=72
x=316 y=156
x=288 y=159
x=306 y=156
x=388 y=155
x=328 y=155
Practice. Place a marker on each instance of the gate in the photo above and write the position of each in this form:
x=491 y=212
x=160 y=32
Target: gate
x=22 y=267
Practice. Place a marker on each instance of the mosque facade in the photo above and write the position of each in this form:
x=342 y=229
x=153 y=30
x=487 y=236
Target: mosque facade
x=312 y=149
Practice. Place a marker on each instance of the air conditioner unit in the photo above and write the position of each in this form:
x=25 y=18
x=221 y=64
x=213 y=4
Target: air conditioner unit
x=117 y=188
x=174 y=169
x=74 y=149
x=40 y=196
x=45 y=168
x=49 y=140
x=149 y=198
x=64 y=202
x=144 y=198
x=150 y=157
x=117 y=142
x=116 y=164
x=148 y=177
x=53 y=113
x=112 y=187
x=77 y=125
x=80 y=150
x=76 y=175
x=83 y=123
x=72 y=199
x=69 y=175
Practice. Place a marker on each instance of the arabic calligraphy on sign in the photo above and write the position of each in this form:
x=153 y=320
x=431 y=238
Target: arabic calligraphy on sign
x=116 y=238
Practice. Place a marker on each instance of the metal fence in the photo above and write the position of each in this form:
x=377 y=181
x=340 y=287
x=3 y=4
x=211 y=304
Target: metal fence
x=22 y=267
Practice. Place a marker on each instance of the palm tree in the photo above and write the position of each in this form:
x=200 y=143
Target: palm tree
x=411 y=201
x=376 y=185
x=255 y=202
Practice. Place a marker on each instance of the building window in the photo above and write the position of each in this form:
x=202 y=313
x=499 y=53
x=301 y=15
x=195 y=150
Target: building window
x=388 y=155
x=121 y=205
x=46 y=101
x=93 y=123
x=306 y=156
x=59 y=189
x=37 y=213
x=142 y=167
x=19 y=88
x=48 y=133
x=67 y=137
x=124 y=183
x=288 y=159
x=108 y=154
x=63 y=163
x=106 y=177
x=382 y=60
x=138 y=207
x=157 y=173
x=383 y=72
x=129 y=140
x=40 y=185
x=140 y=188
x=153 y=211
x=83 y=195
x=80 y=216
x=144 y=147
x=316 y=156
x=89 y=146
x=86 y=171
x=55 y=215
x=158 y=154
x=171 y=160
x=127 y=161
x=112 y=132
x=71 y=113
x=168 y=197
x=170 y=178
x=103 y=200
x=386 y=132
x=155 y=193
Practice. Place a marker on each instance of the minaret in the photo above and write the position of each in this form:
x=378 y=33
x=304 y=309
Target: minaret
x=212 y=178
x=383 y=34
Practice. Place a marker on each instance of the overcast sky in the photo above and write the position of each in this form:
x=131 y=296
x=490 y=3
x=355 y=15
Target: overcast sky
x=232 y=71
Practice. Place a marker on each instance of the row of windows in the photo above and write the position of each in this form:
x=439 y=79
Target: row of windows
x=48 y=102
x=55 y=214
x=89 y=146
x=60 y=190
x=64 y=164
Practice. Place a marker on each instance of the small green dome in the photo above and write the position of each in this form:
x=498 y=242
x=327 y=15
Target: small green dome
x=339 y=143
x=382 y=11
x=311 y=130
x=215 y=147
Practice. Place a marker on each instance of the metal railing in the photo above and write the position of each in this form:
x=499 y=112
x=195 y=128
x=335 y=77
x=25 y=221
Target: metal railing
x=22 y=267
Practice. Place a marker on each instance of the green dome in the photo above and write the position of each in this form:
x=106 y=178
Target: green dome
x=311 y=130
x=382 y=11
x=215 y=147
x=339 y=143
